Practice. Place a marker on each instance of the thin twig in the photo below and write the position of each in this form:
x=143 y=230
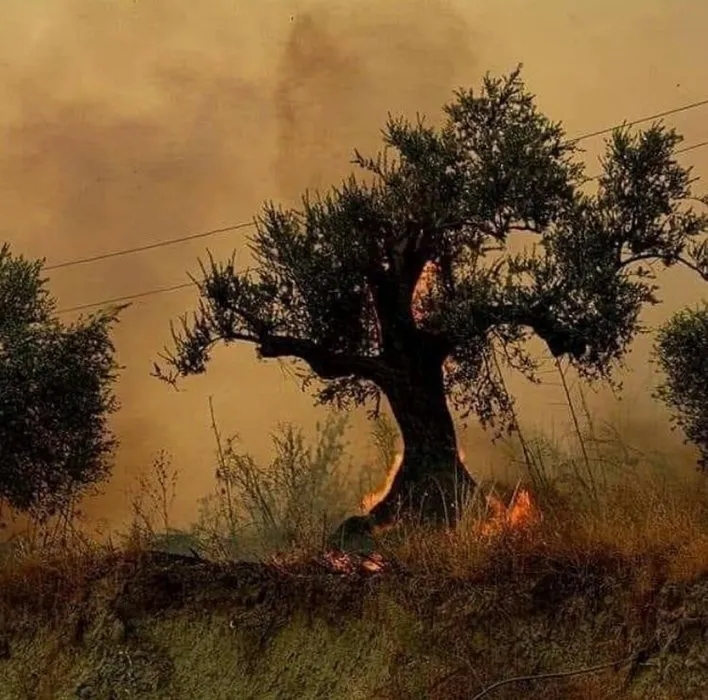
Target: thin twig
x=530 y=465
x=576 y=423
x=557 y=674
x=226 y=477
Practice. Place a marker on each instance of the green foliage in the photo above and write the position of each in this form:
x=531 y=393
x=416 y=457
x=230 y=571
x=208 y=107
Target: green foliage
x=496 y=201
x=385 y=439
x=55 y=394
x=288 y=503
x=682 y=353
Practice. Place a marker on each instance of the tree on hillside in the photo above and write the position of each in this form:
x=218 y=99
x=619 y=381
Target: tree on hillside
x=682 y=353
x=55 y=394
x=420 y=280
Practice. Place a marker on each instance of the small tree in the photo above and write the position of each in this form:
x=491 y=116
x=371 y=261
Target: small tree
x=682 y=353
x=408 y=284
x=55 y=394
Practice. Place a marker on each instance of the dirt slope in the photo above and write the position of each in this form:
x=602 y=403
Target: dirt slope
x=169 y=627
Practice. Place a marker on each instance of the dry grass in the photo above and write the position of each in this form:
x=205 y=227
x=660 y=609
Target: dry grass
x=637 y=522
x=658 y=529
x=44 y=586
x=454 y=617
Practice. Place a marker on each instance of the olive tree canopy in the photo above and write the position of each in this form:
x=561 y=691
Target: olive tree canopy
x=492 y=210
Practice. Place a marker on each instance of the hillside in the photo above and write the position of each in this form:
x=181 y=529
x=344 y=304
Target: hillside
x=156 y=625
x=589 y=588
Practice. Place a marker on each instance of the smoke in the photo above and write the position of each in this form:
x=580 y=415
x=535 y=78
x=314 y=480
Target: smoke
x=127 y=123
x=344 y=70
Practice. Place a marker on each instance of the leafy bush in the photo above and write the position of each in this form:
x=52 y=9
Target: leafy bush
x=288 y=503
x=682 y=354
x=55 y=394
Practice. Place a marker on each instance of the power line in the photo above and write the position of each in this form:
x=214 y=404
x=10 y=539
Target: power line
x=149 y=246
x=162 y=290
x=693 y=147
x=642 y=120
x=128 y=297
x=245 y=224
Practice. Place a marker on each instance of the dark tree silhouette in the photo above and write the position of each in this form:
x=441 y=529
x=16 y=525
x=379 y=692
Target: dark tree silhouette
x=494 y=205
x=682 y=353
x=55 y=394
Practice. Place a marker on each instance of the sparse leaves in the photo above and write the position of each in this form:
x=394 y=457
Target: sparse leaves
x=285 y=503
x=698 y=256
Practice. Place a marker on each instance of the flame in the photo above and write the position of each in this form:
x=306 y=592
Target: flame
x=335 y=560
x=345 y=563
x=521 y=514
x=427 y=280
x=371 y=499
x=340 y=561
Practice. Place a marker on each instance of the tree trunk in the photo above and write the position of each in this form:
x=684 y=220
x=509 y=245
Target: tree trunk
x=431 y=482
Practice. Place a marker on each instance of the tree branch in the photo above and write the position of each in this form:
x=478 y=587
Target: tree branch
x=559 y=339
x=326 y=364
x=679 y=259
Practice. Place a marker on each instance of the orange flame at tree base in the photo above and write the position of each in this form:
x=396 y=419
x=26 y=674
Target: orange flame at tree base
x=376 y=496
x=521 y=514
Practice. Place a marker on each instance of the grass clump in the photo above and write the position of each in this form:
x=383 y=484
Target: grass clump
x=610 y=564
x=289 y=504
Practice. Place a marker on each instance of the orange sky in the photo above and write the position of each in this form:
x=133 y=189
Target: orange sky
x=124 y=123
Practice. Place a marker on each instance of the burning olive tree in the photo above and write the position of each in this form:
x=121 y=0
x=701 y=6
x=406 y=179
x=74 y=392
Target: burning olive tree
x=491 y=210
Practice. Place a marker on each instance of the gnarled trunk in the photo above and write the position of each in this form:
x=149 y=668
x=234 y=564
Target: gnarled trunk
x=431 y=482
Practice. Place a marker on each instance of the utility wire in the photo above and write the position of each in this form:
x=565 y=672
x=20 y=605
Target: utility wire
x=177 y=287
x=149 y=246
x=246 y=224
x=693 y=147
x=128 y=297
x=658 y=115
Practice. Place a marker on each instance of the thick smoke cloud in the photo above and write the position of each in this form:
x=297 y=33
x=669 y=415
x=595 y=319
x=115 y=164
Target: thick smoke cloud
x=124 y=123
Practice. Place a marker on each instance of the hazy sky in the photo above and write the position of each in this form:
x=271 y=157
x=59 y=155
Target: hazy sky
x=129 y=121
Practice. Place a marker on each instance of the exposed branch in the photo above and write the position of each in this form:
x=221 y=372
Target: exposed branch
x=328 y=365
x=681 y=260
